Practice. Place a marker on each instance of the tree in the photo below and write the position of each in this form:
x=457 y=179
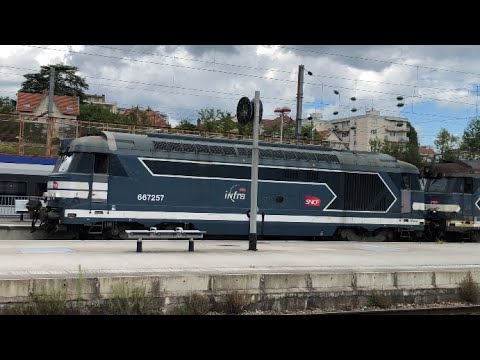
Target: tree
x=216 y=120
x=66 y=82
x=185 y=125
x=7 y=105
x=412 y=153
x=470 y=145
x=446 y=143
x=274 y=129
x=97 y=112
x=309 y=132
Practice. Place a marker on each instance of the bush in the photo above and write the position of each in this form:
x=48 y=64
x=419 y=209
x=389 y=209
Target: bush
x=468 y=290
x=234 y=303
x=195 y=304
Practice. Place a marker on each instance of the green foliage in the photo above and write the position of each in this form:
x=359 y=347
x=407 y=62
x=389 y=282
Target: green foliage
x=274 y=130
x=7 y=105
x=216 y=120
x=446 y=143
x=45 y=303
x=130 y=301
x=470 y=145
x=66 y=82
x=310 y=133
x=406 y=151
x=96 y=112
x=186 y=125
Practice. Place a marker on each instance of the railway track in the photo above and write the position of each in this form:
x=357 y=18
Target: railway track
x=446 y=310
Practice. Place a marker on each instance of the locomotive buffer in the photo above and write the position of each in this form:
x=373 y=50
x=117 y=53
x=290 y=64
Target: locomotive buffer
x=154 y=234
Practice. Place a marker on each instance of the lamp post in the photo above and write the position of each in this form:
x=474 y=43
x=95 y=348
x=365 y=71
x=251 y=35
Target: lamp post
x=336 y=92
x=282 y=111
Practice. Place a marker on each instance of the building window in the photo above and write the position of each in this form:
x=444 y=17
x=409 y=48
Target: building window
x=373 y=132
x=344 y=134
x=392 y=133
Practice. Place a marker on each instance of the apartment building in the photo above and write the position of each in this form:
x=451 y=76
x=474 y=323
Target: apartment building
x=357 y=131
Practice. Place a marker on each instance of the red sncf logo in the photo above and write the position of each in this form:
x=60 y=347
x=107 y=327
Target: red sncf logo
x=434 y=201
x=312 y=200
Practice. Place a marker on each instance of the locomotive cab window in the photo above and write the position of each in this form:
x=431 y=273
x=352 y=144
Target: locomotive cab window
x=406 y=182
x=468 y=185
x=101 y=164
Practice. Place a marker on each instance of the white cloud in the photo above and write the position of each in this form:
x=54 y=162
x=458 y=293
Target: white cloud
x=180 y=80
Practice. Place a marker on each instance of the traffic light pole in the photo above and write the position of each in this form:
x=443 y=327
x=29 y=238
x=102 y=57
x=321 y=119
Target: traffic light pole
x=252 y=237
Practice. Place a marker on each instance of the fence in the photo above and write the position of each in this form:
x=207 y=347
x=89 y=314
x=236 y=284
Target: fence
x=40 y=136
x=7 y=204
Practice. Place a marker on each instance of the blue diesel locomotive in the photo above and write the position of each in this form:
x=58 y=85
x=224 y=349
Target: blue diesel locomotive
x=111 y=182
x=452 y=201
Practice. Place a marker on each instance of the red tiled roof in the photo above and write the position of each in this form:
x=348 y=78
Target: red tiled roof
x=68 y=105
x=286 y=120
x=324 y=133
x=153 y=118
x=426 y=151
x=28 y=102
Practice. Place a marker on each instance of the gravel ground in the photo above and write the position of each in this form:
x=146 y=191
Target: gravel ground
x=363 y=308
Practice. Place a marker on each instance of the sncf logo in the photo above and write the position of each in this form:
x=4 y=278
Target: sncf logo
x=434 y=201
x=236 y=192
x=55 y=185
x=312 y=201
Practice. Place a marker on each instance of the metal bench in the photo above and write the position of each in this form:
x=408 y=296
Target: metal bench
x=154 y=234
x=21 y=207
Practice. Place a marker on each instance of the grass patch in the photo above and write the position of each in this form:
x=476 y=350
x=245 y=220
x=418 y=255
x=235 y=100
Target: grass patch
x=468 y=290
x=128 y=300
x=377 y=299
x=234 y=303
x=45 y=303
x=194 y=304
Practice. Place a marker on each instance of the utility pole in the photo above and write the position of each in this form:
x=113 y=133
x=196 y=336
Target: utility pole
x=301 y=70
x=50 y=111
x=51 y=92
x=252 y=237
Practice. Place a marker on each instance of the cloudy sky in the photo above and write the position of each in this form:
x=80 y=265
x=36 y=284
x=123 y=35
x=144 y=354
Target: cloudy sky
x=439 y=83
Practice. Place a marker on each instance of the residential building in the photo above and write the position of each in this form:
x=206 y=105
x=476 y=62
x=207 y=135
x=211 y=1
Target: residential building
x=100 y=100
x=36 y=104
x=269 y=122
x=357 y=131
x=427 y=153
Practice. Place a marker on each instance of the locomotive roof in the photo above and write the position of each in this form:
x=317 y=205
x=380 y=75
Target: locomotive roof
x=458 y=168
x=226 y=150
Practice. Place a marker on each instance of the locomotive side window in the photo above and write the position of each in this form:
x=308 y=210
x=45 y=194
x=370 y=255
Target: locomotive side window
x=13 y=188
x=468 y=185
x=101 y=164
x=445 y=185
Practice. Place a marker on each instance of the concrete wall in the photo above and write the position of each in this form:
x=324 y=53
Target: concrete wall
x=289 y=291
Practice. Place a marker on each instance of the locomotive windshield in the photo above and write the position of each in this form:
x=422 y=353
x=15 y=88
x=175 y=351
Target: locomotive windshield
x=445 y=185
x=75 y=163
x=63 y=163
